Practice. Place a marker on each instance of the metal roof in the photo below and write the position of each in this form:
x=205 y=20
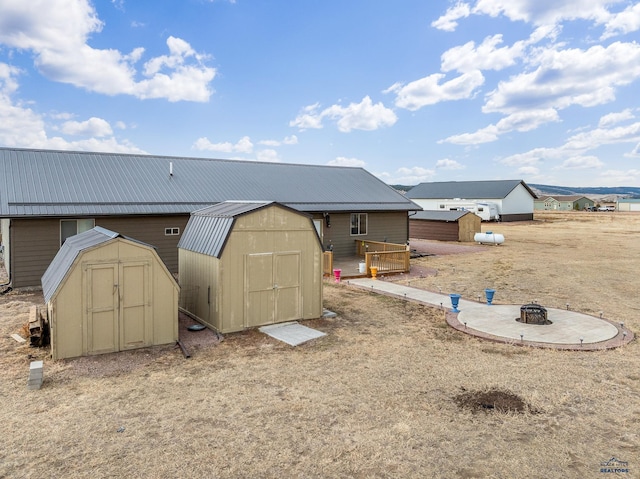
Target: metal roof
x=67 y=254
x=466 y=189
x=208 y=229
x=436 y=215
x=65 y=183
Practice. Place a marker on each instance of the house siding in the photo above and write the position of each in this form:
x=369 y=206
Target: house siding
x=39 y=241
x=392 y=227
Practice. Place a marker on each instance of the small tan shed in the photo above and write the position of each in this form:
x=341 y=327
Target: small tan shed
x=248 y=264
x=107 y=293
x=444 y=225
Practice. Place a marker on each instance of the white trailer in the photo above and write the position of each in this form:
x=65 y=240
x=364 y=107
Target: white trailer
x=486 y=211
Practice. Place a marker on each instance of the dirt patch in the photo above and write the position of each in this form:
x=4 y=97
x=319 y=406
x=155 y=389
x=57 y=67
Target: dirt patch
x=492 y=400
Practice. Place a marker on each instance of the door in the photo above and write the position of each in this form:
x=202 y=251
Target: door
x=272 y=288
x=102 y=308
x=134 y=313
x=118 y=307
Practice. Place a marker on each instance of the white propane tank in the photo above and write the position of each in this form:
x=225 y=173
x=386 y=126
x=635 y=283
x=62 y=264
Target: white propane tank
x=489 y=237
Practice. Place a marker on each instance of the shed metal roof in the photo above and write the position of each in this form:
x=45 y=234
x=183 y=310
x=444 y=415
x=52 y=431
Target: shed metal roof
x=436 y=215
x=491 y=189
x=65 y=183
x=208 y=229
x=67 y=254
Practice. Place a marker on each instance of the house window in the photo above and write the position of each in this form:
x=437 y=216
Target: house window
x=73 y=227
x=171 y=231
x=358 y=224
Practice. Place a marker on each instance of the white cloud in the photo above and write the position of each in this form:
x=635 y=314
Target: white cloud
x=621 y=177
x=544 y=12
x=568 y=77
x=429 y=90
x=244 y=145
x=486 y=56
x=580 y=163
x=407 y=176
x=447 y=164
x=268 y=155
x=449 y=21
x=343 y=161
x=57 y=32
x=96 y=127
x=590 y=140
x=519 y=121
x=623 y=22
x=308 y=118
x=614 y=118
x=571 y=155
x=528 y=171
x=356 y=116
x=289 y=140
x=21 y=127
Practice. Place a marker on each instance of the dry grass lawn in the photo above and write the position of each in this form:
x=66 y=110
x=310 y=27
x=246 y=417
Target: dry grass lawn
x=379 y=396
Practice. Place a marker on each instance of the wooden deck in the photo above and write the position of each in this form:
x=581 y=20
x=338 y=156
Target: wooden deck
x=388 y=258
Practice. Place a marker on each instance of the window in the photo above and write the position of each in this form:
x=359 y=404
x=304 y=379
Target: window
x=171 y=231
x=358 y=224
x=73 y=227
x=442 y=206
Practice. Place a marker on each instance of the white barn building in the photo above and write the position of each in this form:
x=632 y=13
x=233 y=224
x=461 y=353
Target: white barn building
x=514 y=199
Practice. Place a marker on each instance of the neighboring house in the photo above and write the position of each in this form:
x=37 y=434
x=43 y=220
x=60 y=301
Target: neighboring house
x=564 y=203
x=628 y=204
x=444 y=225
x=513 y=198
x=47 y=196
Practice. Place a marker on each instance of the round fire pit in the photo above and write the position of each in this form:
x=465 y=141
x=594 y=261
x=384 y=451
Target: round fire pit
x=533 y=313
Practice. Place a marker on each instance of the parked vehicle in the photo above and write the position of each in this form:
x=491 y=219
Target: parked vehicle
x=486 y=211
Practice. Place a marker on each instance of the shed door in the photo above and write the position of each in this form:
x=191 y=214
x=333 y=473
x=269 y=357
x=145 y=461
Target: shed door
x=118 y=307
x=102 y=308
x=135 y=318
x=272 y=288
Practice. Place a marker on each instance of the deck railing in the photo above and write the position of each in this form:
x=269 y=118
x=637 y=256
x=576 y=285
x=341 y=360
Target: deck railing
x=366 y=246
x=387 y=257
x=388 y=261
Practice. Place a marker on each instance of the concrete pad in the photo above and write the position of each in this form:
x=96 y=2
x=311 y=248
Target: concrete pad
x=291 y=333
x=567 y=328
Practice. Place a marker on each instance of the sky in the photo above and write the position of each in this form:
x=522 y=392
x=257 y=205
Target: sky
x=547 y=91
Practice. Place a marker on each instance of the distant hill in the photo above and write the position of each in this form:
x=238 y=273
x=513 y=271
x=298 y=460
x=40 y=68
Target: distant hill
x=550 y=190
x=620 y=191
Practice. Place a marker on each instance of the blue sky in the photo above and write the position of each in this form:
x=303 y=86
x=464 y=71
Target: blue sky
x=411 y=90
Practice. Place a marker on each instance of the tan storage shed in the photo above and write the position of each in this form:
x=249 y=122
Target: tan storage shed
x=247 y=264
x=444 y=225
x=107 y=293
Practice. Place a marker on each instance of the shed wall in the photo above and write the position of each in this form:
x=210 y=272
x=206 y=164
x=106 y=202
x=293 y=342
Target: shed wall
x=68 y=309
x=200 y=291
x=5 y=224
x=269 y=230
x=434 y=230
x=468 y=226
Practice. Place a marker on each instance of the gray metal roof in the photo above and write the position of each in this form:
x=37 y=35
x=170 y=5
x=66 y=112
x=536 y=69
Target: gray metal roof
x=208 y=229
x=64 y=183
x=466 y=189
x=67 y=254
x=437 y=215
